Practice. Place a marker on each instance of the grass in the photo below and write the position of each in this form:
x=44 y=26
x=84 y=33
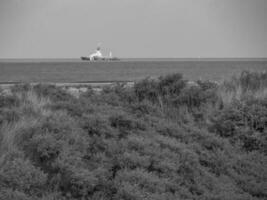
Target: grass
x=160 y=139
x=247 y=84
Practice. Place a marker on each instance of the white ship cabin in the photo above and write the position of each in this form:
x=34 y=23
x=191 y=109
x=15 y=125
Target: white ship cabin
x=97 y=55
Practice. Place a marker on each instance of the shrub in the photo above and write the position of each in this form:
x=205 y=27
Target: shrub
x=242 y=122
x=195 y=97
x=147 y=89
x=162 y=139
x=9 y=194
x=96 y=125
x=52 y=92
x=9 y=101
x=171 y=84
x=21 y=88
x=72 y=107
x=8 y=115
x=252 y=80
x=123 y=122
x=152 y=90
x=144 y=107
x=20 y=175
x=247 y=82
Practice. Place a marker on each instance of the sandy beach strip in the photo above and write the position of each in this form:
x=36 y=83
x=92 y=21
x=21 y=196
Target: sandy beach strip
x=74 y=88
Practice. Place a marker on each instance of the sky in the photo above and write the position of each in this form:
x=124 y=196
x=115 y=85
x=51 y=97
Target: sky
x=133 y=28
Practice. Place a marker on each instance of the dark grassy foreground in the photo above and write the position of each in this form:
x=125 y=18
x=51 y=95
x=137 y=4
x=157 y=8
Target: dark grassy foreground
x=160 y=140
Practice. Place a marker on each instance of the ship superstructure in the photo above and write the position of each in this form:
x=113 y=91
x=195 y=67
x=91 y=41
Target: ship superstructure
x=97 y=55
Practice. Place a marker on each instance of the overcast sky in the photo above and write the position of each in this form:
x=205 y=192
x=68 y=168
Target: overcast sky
x=133 y=28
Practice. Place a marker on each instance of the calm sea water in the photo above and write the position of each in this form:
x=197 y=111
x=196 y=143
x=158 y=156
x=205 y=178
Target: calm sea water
x=74 y=70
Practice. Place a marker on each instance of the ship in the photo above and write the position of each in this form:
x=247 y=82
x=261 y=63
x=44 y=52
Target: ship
x=98 y=56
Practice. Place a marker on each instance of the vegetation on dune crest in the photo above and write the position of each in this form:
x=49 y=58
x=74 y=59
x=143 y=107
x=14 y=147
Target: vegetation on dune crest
x=163 y=139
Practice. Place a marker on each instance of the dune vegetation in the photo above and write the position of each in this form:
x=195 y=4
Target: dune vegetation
x=164 y=139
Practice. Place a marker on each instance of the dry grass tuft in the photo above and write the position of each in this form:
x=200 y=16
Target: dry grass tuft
x=32 y=108
x=31 y=101
x=9 y=131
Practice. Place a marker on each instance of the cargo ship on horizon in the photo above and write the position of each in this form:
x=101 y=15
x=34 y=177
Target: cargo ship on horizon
x=98 y=56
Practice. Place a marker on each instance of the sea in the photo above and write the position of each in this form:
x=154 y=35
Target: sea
x=124 y=70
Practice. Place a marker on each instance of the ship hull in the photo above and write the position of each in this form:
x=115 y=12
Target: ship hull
x=100 y=59
x=85 y=58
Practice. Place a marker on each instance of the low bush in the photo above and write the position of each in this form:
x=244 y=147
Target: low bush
x=52 y=92
x=9 y=101
x=147 y=89
x=242 y=122
x=163 y=139
x=19 y=174
x=8 y=115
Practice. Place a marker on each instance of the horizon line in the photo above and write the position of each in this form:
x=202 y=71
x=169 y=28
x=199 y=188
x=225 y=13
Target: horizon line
x=71 y=58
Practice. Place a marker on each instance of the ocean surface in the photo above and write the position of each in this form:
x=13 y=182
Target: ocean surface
x=75 y=70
